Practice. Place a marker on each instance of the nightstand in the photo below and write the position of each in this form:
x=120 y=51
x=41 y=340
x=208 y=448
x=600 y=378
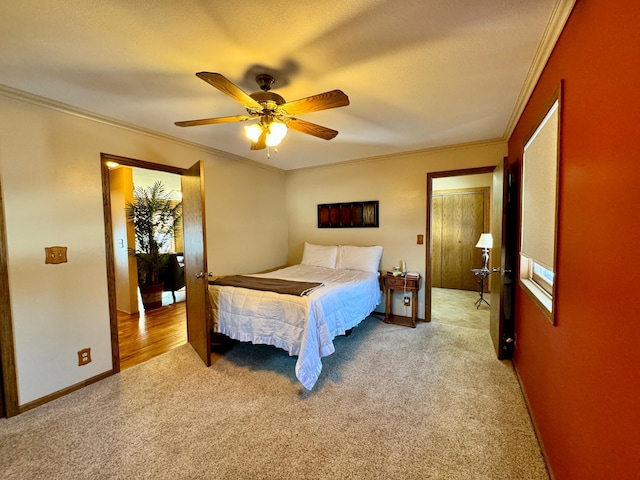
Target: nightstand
x=409 y=284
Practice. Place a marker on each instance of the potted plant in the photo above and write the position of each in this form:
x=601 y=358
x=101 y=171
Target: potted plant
x=156 y=218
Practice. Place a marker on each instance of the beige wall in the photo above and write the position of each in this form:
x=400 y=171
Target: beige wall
x=120 y=181
x=463 y=181
x=246 y=218
x=399 y=183
x=51 y=181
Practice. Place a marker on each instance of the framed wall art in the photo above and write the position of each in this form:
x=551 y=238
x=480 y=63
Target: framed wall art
x=348 y=214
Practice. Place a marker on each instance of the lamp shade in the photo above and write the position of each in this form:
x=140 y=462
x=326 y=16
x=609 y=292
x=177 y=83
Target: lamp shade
x=485 y=241
x=276 y=133
x=253 y=132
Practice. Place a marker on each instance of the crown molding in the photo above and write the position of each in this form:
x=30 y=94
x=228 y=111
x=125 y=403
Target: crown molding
x=557 y=21
x=44 y=102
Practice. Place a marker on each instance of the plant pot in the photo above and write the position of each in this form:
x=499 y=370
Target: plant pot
x=151 y=296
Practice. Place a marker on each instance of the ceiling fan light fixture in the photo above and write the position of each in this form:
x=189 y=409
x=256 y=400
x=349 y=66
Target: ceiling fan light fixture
x=275 y=133
x=253 y=132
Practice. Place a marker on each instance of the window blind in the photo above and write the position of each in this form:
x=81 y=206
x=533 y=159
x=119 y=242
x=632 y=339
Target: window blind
x=539 y=192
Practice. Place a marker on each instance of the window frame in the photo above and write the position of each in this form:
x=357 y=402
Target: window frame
x=540 y=280
x=541 y=291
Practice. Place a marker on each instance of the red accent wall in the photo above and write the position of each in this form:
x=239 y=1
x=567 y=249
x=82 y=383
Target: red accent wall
x=581 y=377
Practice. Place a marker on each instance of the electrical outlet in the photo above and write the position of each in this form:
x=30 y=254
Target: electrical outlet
x=84 y=356
x=407 y=301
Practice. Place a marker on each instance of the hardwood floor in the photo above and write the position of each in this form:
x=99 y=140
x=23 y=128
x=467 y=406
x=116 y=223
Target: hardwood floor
x=152 y=333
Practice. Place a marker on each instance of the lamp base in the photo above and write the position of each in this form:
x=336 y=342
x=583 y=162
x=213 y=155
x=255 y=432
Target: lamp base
x=485 y=258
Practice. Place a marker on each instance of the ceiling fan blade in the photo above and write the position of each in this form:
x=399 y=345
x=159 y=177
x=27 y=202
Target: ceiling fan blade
x=314 y=103
x=211 y=121
x=227 y=87
x=311 y=129
x=262 y=141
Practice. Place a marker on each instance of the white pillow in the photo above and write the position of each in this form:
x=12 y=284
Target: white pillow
x=319 y=255
x=366 y=259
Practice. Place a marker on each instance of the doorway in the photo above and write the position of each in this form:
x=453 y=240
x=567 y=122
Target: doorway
x=144 y=333
x=141 y=334
x=457 y=212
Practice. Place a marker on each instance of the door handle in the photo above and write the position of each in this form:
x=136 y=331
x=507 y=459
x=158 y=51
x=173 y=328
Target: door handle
x=203 y=275
x=500 y=270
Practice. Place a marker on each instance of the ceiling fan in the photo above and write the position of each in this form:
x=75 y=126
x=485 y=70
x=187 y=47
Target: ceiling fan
x=273 y=113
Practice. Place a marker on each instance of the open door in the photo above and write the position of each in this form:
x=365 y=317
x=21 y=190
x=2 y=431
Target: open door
x=195 y=260
x=501 y=281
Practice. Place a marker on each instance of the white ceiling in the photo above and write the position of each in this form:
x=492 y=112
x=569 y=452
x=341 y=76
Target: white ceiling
x=419 y=73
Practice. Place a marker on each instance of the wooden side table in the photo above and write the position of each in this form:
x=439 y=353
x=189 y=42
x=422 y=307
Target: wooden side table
x=408 y=284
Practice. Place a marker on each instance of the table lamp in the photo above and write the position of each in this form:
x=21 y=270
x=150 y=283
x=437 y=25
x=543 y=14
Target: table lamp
x=485 y=243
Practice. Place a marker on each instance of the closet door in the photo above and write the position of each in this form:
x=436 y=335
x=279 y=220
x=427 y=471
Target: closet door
x=458 y=221
x=436 y=241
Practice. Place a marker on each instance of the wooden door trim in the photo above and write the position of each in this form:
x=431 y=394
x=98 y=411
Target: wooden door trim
x=9 y=403
x=427 y=271
x=108 y=238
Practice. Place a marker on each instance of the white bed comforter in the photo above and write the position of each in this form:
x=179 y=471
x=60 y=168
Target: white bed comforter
x=303 y=326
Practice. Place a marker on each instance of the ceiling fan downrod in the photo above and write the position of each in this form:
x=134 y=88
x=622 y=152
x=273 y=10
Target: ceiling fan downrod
x=264 y=81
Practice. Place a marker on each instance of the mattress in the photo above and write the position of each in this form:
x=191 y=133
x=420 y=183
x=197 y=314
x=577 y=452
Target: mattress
x=304 y=326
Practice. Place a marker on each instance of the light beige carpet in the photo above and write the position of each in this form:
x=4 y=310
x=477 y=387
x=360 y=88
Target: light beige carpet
x=391 y=403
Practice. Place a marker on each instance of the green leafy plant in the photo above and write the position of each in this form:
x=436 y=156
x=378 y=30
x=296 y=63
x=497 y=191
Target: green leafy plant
x=156 y=219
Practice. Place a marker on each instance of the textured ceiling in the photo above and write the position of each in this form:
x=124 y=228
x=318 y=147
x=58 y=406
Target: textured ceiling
x=419 y=73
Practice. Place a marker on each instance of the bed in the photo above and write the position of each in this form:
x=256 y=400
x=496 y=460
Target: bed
x=347 y=290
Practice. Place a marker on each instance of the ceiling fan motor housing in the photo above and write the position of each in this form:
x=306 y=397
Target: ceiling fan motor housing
x=269 y=100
